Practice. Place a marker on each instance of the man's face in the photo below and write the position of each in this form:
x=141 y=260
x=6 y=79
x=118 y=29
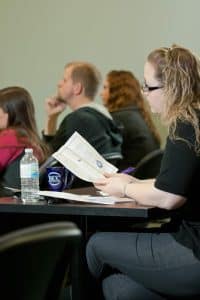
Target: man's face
x=66 y=86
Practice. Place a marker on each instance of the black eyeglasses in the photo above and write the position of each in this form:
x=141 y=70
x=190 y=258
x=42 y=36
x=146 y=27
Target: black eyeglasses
x=147 y=89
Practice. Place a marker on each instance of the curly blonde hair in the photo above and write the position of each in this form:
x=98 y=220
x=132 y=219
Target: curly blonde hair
x=124 y=91
x=178 y=70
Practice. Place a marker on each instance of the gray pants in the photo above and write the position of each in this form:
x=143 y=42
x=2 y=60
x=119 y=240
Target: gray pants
x=143 y=266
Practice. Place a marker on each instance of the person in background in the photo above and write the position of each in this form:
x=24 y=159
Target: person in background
x=77 y=91
x=18 y=131
x=163 y=264
x=122 y=96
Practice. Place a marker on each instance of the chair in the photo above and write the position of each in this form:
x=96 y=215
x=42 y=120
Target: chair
x=11 y=176
x=149 y=165
x=113 y=157
x=35 y=261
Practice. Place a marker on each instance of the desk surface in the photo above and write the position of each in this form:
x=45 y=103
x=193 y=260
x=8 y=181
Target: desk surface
x=12 y=205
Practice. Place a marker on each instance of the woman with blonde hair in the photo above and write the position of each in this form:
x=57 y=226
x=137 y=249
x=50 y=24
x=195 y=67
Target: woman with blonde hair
x=122 y=96
x=18 y=130
x=164 y=264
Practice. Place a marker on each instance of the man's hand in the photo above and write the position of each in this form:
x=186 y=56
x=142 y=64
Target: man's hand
x=54 y=106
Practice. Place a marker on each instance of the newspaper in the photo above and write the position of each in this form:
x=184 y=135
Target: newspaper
x=69 y=197
x=78 y=156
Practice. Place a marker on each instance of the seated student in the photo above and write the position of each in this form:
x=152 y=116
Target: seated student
x=17 y=131
x=122 y=95
x=165 y=264
x=77 y=91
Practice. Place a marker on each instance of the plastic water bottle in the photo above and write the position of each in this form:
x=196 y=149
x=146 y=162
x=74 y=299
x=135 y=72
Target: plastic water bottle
x=29 y=174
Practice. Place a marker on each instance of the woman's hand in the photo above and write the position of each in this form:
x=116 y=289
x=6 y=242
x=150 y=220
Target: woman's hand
x=123 y=176
x=114 y=184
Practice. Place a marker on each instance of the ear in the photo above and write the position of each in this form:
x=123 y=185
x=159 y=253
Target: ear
x=78 y=88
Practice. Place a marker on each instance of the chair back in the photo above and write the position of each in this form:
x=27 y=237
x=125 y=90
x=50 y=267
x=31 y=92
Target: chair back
x=113 y=157
x=149 y=165
x=11 y=176
x=35 y=260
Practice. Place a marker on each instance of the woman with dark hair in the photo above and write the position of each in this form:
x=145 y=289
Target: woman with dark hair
x=164 y=264
x=18 y=131
x=123 y=98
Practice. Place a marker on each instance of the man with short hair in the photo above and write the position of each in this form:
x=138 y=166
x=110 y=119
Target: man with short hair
x=77 y=90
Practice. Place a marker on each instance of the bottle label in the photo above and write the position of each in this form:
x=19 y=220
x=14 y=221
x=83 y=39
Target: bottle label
x=29 y=171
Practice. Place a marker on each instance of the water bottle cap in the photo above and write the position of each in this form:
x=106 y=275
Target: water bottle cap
x=28 y=150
